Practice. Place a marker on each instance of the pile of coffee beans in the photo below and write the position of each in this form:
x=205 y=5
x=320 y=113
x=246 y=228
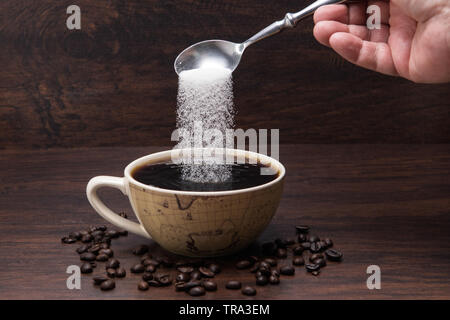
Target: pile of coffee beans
x=95 y=247
x=196 y=277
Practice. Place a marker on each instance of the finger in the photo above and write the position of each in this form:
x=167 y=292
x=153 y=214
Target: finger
x=332 y=12
x=370 y=55
x=354 y=13
x=323 y=30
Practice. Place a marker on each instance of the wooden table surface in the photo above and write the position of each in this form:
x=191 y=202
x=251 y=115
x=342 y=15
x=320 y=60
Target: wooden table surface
x=385 y=205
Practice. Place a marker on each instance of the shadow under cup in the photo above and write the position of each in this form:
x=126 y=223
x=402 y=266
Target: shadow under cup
x=195 y=223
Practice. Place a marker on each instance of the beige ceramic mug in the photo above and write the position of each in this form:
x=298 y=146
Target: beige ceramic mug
x=191 y=223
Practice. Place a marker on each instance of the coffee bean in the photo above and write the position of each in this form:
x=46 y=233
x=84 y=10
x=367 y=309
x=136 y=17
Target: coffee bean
x=271 y=262
x=150 y=269
x=102 y=228
x=302 y=237
x=145 y=256
x=333 y=255
x=210 y=285
x=111 y=272
x=243 y=264
x=86 y=268
x=196 y=275
x=107 y=252
x=197 y=291
x=310 y=267
x=99 y=279
x=92 y=229
x=315 y=247
x=233 y=285
x=87 y=256
x=121 y=272
x=248 y=291
x=108 y=285
x=98 y=239
x=112 y=234
x=163 y=279
x=298 y=250
x=137 y=268
x=183 y=277
x=123 y=233
x=154 y=283
x=275 y=273
x=68 y=240
x=75 y=235
x=298 y=261
x=113 y=263
x=206 y=272
x=264 y=265
x=306 y=245
x=262 y=280
x=104 y=245
x=214 y=267
x=265 y=271
x=315 y=273
x=320 y=261
x=185 y=269
x=87 y=238
x=274 y=279
x=302 y=229
x=328 y=242
x=315 y=256
x=269 y=248
x=102 y=257
x=281 y=253
x=98 y=233
x=82 y=249
x=150 y=262
x=140 y=250
x=287 y=270
x=94 y=249
x=192 y=284
x=147 y=276
x=313 y=238
x=143 y=286
x=255 y=267
x=180 y=286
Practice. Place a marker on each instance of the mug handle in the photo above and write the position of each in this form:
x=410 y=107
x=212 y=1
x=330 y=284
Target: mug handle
x=117 y=183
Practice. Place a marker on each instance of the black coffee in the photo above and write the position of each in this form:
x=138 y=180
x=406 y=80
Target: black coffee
x=169 y=176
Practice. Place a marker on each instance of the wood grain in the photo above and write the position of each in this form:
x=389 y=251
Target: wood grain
x=385 y=205
x=112 y=82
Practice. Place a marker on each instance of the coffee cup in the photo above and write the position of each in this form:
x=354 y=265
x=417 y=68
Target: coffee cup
x=193 y=223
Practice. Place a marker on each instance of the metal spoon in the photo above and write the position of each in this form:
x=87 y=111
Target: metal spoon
x=226 y=54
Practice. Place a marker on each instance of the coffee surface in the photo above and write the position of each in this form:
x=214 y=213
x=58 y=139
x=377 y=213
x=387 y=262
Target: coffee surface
x=170 y=176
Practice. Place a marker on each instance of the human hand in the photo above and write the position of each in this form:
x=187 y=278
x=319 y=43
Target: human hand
x=413 y=42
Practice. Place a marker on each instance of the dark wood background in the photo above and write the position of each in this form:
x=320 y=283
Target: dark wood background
x=112 y=82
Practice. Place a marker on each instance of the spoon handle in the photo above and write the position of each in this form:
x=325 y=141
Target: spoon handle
x=289 y=21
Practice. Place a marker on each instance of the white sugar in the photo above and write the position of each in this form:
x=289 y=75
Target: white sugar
x=204 y=112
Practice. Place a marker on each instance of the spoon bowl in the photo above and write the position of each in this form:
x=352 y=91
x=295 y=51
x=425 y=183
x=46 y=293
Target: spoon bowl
x=209 y=53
